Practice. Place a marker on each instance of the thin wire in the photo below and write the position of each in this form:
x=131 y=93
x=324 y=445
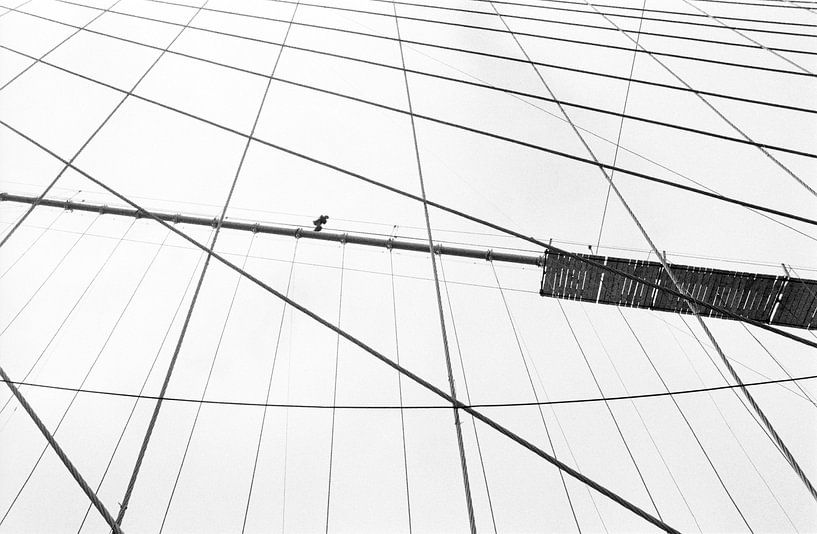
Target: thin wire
x=536 y=396
x=468 y=394
x=407 y=42
x=641 y=418
x=140 y=396
x=684 y=417
x=609 y=408
x=36 y=240
x=446 y=349
x=199 y=406
x=621 y=122
x=400 y=394
x=90 y=369
x=269 y=388
x=771 y=50
x=335 y=392
x=720 y=115
x=729 y=427
x=248 y=404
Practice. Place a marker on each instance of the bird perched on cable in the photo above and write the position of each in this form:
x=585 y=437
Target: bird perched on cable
x=319 y=222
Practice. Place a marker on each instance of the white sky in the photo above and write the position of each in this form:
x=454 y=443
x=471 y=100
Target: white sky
x=72 y=305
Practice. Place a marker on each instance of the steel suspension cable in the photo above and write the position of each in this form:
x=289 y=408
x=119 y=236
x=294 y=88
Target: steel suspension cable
x=90 y=369
x=446 y=349
x=141 y=395
x=641 y=418
x=467 y=392
x=536 y=396
x=407 y=42
x=729 y=426
x=717 y=112
x=269 y=388
x=400 y=393
x=771 y=50
x=335 y=391
x=61 y=454
x=686 y=420
x=105 y=121
x=199 y=406
x=609 y=409
x=621 y=122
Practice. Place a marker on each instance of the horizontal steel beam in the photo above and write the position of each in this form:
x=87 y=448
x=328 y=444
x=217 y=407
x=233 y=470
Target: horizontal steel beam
x=292 y=231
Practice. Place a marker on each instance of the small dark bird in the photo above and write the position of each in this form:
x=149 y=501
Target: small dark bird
x=319 y=222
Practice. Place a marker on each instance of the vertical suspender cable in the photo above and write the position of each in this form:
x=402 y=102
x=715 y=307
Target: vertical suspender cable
x=400 y=384
x=269 y=388
x=335 y=391
x=609 y=409
x=535 y=394
x=621 y=121
x=457 y=425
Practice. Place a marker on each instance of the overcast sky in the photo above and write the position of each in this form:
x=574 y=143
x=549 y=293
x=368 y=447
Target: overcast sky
x=97 y=302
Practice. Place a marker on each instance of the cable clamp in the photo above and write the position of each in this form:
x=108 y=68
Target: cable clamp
x=3 y=196
x=344 y=238
x=102 y=209
x=176 y=218
x=390 y=243
x=489 y=256
x=298 y=232
x=438 y=249
x=255 y=228
x=214 y=222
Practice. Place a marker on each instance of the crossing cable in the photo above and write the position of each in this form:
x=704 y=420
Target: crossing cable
x=636 y=174
x=693 y=15
x=573 y=10
x=771 y=50
x=536 y=397
x=686 y=421
x=400 y=396
x=717 y=112
x=93 y=134
x=410 y=42
x=621 y=122
x=516 y=94
x=90 y=369
x=269 y=387
x=71 y=311
x=199 y=405
x=47 y=278
x=467 y=391
x=729 y=426
x=59 y=44
x=641 y=418
x=434 y=204
x=693 y=307
x=157 y=408
x=419 y=380
x=60 y=453
x=607 y=405
x=571 y=24
x=335 y=391
x=446 y=349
